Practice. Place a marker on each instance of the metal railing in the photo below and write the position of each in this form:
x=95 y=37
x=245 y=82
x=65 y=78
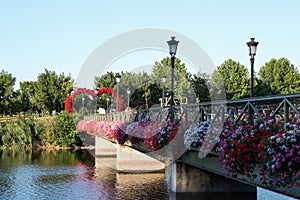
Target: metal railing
x=282 y=107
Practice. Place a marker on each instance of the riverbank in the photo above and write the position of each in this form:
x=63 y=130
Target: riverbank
x=57 y=131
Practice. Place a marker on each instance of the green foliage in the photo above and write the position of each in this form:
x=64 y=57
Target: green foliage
x=182 y=84
x=28 y=132
x=139 y=85
x=7 y=94
x=57 y=131
x=280 y=77
x=26 y=94
x=235 y=78
x=146 y=90
x=107 y=80
x=16 y=134
x=51 y=90
x=66 y=132
x=45 y=131
x=216 y=86
x=200 y=84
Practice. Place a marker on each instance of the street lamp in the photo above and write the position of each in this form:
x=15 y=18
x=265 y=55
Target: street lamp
x=96 y=98
x=118 y=79
x=128 y=95
x=163 y=80
x=82 y=98
x=172 y=48
x=107 y=101
x=252 y=52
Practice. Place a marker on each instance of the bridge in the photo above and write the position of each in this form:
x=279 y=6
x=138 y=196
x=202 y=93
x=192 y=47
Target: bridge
x=251 y=142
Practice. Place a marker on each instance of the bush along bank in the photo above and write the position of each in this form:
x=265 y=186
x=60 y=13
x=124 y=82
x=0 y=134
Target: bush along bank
x=29 y=132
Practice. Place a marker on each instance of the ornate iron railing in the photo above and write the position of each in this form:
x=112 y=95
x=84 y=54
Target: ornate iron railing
x=282 y=107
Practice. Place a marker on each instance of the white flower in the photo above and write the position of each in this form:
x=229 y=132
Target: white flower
x=261 y=126
x=272 y=137
x=293 y=139
x=278 y=140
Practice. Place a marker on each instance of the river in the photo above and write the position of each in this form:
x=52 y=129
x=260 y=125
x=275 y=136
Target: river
x=72 y=175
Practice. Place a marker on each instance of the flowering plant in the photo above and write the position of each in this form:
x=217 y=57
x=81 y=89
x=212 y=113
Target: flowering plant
x=155 y=135
x=195 y=135
x=280 y=154
x=205 y=137
x=239 y=146
x=69 y=99
x=107 y=129
x=162 y=137
x=92 y=93
x=110 y=91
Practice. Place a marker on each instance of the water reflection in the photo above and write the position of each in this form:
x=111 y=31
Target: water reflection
x=71 y=175
x=141 y=186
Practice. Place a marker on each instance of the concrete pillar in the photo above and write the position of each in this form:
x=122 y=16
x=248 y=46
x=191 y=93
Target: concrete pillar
x=132 y=161
x=186 y=181
x=124 y=159
x=105 y=153
x=105 y=148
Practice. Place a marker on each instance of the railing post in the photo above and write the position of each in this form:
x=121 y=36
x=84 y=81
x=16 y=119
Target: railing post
x=223 y=115
x=286 y=112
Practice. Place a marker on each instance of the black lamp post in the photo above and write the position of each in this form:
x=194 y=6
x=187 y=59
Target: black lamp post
x=172 y=48
x=96 y=98
x=163 y=80
x=118 y=79
x=82 y=98
x=252 y=52
x=107 y=101
x=128 y=96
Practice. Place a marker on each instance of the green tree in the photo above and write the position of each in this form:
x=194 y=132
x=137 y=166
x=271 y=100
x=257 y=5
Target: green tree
x=107 y=80
x=140 y=87
x=235 y=79
x=136 y=83
x=182 y=84
x=280 y=76
x=26 y=95
x=200 y=83
x=7 y=94
x=216 y=86
x=51 y=90
x=65 y=130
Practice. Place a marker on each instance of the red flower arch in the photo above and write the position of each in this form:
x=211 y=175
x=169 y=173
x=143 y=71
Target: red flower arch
x=68 y=104
x=69 y=99
x=114 y=95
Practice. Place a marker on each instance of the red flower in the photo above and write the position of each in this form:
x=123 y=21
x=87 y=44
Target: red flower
x=69 y=99
x=68 y=104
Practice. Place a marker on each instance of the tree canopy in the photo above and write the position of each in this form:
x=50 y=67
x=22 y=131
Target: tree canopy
x=7 y=94
x=51 y=90
x=280 y=76
x=235 y=78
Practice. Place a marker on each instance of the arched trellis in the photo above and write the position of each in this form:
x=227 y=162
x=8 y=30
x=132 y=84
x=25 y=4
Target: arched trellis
x=114 y=95
x=69 y=99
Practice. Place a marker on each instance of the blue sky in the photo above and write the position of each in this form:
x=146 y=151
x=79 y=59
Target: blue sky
x=60 y=35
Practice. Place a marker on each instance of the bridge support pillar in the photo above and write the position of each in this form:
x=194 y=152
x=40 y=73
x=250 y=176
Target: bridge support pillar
x=188 y=181
x=105 y=153
x=124 y=159
x=132 y=161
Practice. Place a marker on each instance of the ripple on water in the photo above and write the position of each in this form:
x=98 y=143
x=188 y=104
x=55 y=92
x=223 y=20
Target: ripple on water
x=142 y=186
x=54 y=182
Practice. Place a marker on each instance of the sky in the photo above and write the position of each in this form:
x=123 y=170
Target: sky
x=61 y=34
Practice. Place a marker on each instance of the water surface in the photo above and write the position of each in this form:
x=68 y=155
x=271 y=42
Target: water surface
x=71 y=175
